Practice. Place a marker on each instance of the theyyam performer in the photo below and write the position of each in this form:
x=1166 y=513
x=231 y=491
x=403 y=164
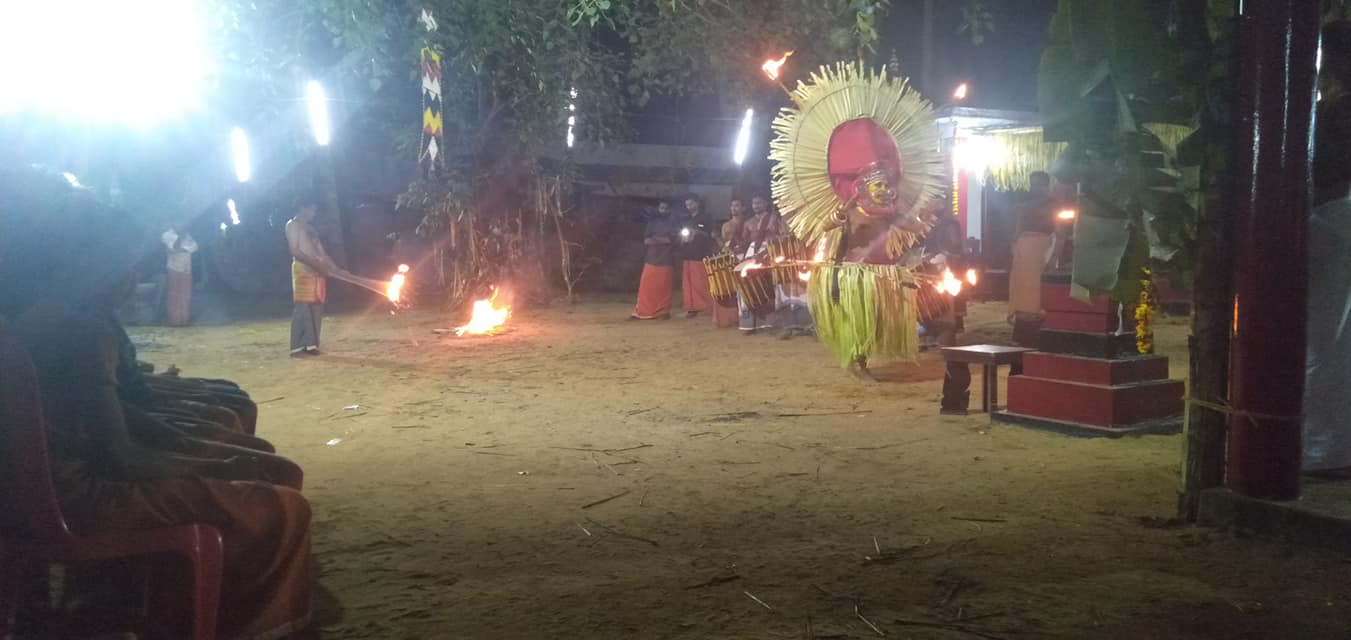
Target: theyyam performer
x=856 y=170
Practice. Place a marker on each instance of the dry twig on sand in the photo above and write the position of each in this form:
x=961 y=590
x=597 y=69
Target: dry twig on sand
x=620 y=534
x=271 y=400
x=605 y=451
x=715 y=581
x=947 y=626
x=993 y=520
x=738 y=416
x=488 y=453
x=605 y=500
x=858 y=613
x=757 y=600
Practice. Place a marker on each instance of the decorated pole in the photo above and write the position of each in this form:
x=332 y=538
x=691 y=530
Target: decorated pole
x=1278 y=42
x=430 y=156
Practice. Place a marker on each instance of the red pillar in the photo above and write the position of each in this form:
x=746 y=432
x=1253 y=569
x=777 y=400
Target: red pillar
x=1278 y=41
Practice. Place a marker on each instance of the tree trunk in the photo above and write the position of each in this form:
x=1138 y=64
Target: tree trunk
x=1212 y=288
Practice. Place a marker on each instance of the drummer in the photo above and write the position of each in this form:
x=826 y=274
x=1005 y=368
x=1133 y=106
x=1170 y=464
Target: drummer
x=764 y=225
x=731 y=240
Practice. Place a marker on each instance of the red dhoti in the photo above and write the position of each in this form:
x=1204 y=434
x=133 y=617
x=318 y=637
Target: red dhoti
x=694 y=287
x=178 y=298
x=655 y=291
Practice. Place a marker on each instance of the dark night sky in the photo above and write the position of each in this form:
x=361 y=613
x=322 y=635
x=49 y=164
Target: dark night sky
x=1002 y=71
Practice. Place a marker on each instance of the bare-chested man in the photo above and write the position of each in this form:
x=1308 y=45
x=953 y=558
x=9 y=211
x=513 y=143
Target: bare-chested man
x=310 y=270
x=310 y=265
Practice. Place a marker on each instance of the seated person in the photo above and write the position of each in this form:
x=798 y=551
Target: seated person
x=218 y=402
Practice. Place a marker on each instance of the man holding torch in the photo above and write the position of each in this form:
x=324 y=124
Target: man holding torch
x=310 y=269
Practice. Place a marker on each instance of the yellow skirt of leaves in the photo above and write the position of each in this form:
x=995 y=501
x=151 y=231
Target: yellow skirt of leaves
x=874 y=314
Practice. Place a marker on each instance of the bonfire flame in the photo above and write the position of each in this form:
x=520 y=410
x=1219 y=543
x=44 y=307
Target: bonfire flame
x=949 y=284
x=772 y=67
x=394 y=290
x=486 y=317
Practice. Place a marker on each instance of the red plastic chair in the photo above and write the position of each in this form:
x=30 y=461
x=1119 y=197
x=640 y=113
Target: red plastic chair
x=38 y=535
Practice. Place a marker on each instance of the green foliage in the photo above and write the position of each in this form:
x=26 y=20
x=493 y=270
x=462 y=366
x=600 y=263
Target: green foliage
x=977 y=22
x=717 y=46
x=1112 y=70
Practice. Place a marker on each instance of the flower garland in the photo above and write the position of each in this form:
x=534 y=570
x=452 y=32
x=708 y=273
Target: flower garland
x=1145 y=309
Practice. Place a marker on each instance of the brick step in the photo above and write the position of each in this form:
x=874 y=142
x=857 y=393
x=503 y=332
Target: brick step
x=1097 y=371
x=1098 y=405
x=1087 y=344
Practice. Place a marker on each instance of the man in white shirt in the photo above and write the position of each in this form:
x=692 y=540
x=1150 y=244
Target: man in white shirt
x=178 y=293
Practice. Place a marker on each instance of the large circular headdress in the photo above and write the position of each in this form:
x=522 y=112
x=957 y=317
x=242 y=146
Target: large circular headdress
x=848 y=122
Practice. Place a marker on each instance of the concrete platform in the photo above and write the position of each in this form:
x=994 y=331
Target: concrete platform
x=1320 y=518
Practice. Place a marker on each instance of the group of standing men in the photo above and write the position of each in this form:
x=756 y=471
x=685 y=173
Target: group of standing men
x=687 y=239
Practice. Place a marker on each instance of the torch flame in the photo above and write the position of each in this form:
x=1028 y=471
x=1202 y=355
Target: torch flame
x=804 y=276
x=971 y=277
x=394 y=290
x=820 y=251
x=485 y=317
x=949 y=284
x=771 y=67
x=749 y=266
x=1067 y=214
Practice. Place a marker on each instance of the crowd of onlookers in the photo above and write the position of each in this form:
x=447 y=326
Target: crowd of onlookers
x=130 y=448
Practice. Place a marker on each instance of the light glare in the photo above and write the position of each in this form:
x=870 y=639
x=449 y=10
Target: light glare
x=975 y=154
x=234 y=213
x=239 y=150
x=131 y=62
x=743 y=138
x=959 y=93
x=317 y=101
x=572 y=119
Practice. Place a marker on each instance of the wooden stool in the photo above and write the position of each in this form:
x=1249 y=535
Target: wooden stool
x=957 y=382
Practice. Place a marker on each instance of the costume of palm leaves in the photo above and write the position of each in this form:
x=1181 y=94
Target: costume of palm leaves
x=856 y=168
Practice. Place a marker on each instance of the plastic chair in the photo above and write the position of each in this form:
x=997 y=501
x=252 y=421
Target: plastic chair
x=38 y=535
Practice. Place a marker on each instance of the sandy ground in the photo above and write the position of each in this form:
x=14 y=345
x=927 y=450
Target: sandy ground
x=452 y=502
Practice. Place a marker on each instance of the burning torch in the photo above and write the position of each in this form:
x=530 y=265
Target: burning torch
x=773 y=70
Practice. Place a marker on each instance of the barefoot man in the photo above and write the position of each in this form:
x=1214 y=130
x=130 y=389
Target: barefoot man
x=309 y=288
x=310 y=269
